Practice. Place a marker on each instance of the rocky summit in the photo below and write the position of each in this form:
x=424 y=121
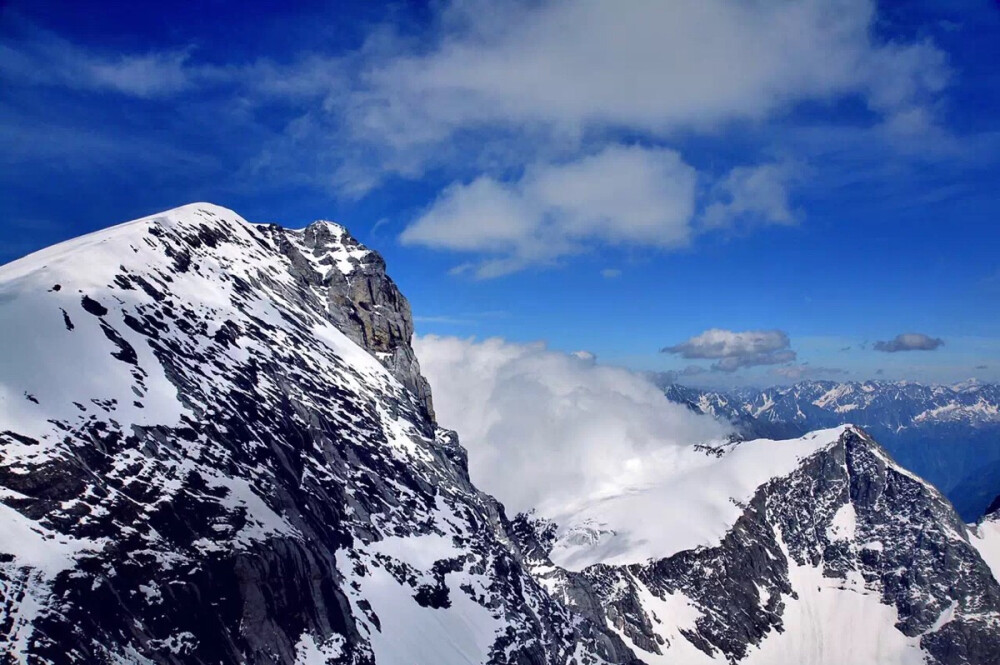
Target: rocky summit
x=216 y=446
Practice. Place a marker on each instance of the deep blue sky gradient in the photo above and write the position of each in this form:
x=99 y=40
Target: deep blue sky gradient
x=886 y=242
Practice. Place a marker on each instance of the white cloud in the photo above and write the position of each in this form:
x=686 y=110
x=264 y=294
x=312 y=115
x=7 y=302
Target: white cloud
x=736 y=350
x=47 y=59
x=611 y=273
x=719 y=343
x=566 y=69
x=800 y=372
x=621 y=196
x=752 y=194
x=549 y=430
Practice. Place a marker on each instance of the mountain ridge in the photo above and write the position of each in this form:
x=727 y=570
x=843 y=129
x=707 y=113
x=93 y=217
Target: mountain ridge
x=216 y=447
x=947 y=434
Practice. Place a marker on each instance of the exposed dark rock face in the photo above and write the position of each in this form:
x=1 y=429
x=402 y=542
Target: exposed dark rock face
x=361 y=299
x=994 y=506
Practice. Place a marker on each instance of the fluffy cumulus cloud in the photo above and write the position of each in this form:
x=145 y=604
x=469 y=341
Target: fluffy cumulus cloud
x=546 y=429
x=736 y=350
x=909 y=342
x=621 y=195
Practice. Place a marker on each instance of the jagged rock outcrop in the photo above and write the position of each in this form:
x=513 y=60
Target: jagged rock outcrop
x=361 y=299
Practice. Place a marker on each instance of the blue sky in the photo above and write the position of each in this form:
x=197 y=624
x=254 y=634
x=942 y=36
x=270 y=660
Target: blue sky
x=612 y=177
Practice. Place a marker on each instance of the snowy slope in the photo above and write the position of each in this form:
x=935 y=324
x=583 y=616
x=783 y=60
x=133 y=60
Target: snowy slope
x=985 y=537
x=837 y=541
x=215 y=446
x=634 y=525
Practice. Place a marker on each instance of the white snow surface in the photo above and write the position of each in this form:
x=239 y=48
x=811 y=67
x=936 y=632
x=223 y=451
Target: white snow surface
x=680 y=499
x=985 y=537
x=58 y=368
x=835 y=622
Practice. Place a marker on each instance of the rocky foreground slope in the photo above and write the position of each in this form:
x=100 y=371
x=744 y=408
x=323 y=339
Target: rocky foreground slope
x=216 y=447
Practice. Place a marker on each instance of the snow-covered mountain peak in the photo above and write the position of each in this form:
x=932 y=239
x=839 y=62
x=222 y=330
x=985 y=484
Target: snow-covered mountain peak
x=947 y=434
x=213 y=451
x=216 y=447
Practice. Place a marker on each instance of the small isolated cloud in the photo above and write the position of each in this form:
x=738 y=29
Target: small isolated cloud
x=611 y=273
x=879 y=372
x=623 y=195
x=909 y=342
x=804 y=371
x=735 y=350
x=845 y=348
x=546 y=429
x=982 y=367
x=719 y=343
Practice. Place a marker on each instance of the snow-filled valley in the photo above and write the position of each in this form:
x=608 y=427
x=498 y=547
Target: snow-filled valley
x=217 y=446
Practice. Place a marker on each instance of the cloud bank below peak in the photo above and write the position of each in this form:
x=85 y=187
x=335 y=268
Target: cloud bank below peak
x=546 y=429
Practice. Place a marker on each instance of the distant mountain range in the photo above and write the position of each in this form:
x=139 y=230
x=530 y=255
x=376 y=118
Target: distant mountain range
x=949 y=435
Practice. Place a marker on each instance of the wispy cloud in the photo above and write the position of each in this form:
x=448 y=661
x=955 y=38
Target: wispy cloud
x=46 y=59
x=691 y=64
x=534 y=119
x=806 y=371
x=464 y=319
x=449 y=320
